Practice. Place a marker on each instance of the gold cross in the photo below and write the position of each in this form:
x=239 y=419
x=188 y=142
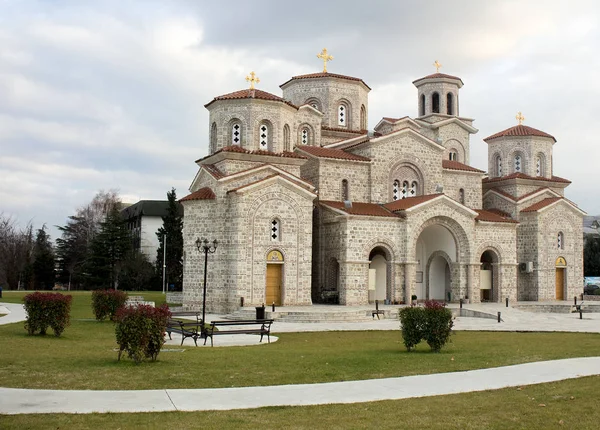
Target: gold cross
x=437 y=66
x=520 y=118
x=325 y=57
x=253 y=79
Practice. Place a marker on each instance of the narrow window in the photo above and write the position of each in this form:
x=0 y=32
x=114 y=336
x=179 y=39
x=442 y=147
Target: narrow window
x=213 y=137
x=345 y=191
x=286 y=138
x=236 y=133
x=498 y=166
x=452 y=155
x=461 y=196
x=342 y=115
x=396 y=190
x=275 y=230
x=450 y=104
x=560 y=241
x=263 y=137
x=538 y=166
x=305 y=138
x=363 y=118
x=518 y=163
x=435 y=103
x=422 y=105
x=413 y=188
x=404 y=189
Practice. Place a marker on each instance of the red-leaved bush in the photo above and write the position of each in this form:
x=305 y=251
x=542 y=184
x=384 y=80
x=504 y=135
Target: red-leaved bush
x=106 y=303
x=141 y=330
x=47 y=310
x=432 y=323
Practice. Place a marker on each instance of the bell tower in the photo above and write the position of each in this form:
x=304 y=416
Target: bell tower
x=438 y=94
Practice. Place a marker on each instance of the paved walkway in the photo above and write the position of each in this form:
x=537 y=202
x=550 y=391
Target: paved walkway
x=26 y=401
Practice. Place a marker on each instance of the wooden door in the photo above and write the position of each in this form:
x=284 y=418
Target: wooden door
x=273 y=293
x=560 y=283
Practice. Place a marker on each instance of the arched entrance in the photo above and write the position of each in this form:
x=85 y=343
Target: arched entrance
x=274 y=284
x=561 y=275
x=488 y=278
x=378 y=274
x=439 y=278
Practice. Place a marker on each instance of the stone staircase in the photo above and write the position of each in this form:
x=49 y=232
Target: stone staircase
x=315 y=314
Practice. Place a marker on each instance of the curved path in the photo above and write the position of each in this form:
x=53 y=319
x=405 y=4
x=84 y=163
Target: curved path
x=24 y=401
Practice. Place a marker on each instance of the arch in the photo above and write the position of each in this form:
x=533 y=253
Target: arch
x=455 y=145
x=379 y=274
x=315 y=103
x=345 y=190
x=305 y=134
x=540 y=164
x=363 y=117
x=497 y=165
x=435 y=102
x=344 y=113
x=265 y=135
x=450 y=104
x=402 y=177
x=452 y=154
x=489 y=281
x=438 y=279
x=213 y=138
x=286 y=138
x=422 y=105
x=461 y=239
x=236 y=132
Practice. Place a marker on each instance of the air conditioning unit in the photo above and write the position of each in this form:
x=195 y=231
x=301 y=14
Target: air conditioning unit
x=526 y=267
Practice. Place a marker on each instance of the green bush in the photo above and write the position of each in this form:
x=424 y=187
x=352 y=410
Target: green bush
x=597 y=292
x=47 y=310
x=106 y=303
x=412 y=319
x=140 y=331
x=432 y=323
x=438 y=325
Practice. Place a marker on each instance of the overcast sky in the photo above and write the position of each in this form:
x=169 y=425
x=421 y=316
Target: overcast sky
x=110 y=94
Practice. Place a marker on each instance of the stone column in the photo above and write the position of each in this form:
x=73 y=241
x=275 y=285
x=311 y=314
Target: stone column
x=472 y=283
x=410 y=272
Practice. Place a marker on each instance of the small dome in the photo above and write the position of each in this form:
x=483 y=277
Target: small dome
x=519 y=130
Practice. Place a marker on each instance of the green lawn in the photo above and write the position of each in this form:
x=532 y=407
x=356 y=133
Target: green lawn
x=83 y=358
x=568 y=404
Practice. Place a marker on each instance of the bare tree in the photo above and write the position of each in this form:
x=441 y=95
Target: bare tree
x=16 y=249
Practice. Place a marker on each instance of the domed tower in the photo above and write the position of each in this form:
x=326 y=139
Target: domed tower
x=438 y=94
x=342 y=99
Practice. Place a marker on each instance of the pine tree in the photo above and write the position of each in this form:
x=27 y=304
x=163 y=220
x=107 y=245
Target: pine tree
x=43 y=261
x=591 y=256
x=172 y=227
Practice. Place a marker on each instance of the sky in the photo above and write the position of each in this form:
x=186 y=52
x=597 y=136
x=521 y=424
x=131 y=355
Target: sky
x=110 y=95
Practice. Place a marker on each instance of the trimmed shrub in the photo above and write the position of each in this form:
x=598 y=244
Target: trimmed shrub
x=438 y=325
x=106 y=303
x=140 y=331
x=412 y=319
x=47 y=310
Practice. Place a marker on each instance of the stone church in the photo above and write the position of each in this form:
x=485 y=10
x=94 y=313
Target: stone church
x=309 y=205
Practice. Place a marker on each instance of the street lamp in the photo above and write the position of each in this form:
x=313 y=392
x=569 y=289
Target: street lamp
x=205 y=246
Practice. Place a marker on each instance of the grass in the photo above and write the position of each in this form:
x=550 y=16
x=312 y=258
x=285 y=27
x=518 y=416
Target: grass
x=83 y=358
x=566 y=404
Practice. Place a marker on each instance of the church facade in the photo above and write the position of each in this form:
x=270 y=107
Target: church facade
x=309 y=206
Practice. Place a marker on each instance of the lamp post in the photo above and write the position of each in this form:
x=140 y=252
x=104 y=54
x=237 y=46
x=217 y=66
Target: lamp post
x=206 y=247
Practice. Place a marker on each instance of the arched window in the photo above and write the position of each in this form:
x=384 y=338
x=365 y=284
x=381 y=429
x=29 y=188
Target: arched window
x=540 y=168
x=314 y=102
x=396 y=190
x=404 y=190
x=275 y=230
x=422 y=105
x=305 y=136
x=363 y=117
x=413 y=189
x=498 y=165
x=450 y=104
x=264 y=136
x=286 y=138
x=343 y=114
x=560 y=240
x=213 y=137
x=461 y=196
x=453 y=155
x=236 y=133
x=345 y=190
x=435 y=103
x=518 y=165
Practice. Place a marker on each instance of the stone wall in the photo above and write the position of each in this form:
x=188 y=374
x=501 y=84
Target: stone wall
x=528 y=146
x=331 y=174
x=469 y=182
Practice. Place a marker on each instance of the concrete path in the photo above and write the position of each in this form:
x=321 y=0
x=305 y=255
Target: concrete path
x=14 y=313
x=23 y=401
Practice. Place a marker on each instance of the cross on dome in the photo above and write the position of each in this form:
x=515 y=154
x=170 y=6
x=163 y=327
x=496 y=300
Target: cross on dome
x=253 y=79
x=520 y=118
x=437 y=66
x=325 y=57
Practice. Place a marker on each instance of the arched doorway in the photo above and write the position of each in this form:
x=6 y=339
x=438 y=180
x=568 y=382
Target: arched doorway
x=561 y=275
x=274 y=281
x=439 y=279
x=488 y=282
x=378 y=274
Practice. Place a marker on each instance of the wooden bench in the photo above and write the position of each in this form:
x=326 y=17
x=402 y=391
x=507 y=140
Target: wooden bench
x=241 y=327
x=377 y=311
x=186 y=329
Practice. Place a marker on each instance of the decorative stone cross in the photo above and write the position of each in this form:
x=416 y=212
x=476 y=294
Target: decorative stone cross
x=325 y=57
x=253 y=79
x=520 y=118
x=437 y=66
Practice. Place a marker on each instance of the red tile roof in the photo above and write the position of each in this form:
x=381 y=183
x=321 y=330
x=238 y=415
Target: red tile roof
x=202 y=194
x=438 y=76
x=524 y=176
x=519 y=130
x=541 y=204
x=325 y=75
x=403 y=204
x=239 y=149
x=365 y=209
x=345 y=130
x=250 y=94
x=455 y=165
x=492 y=216
x=338 y=154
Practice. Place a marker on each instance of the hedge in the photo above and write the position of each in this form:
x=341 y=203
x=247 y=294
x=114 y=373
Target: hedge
x=47 y=310
x=432 y=323
x=106 y=303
